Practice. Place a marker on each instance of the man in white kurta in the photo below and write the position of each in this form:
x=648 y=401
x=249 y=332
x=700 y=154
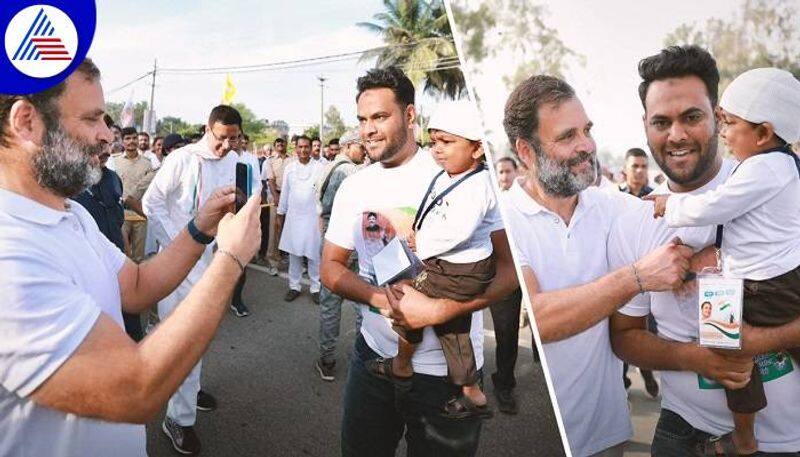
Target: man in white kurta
x=183 y=183
x=297 y=213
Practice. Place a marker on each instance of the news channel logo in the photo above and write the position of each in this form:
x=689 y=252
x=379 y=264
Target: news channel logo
x=44 y=42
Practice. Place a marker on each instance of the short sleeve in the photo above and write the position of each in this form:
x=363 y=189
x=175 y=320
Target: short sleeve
x=43 y=320
x=493 y=218
x=344 y=216
x=622 y=251
x=112 y=256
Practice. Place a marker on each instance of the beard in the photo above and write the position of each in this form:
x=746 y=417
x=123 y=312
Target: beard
x=65 y=166
x=704 y=160
x=394 y=145
x=557 y=178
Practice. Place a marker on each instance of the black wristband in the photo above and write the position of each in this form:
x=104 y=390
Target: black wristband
x=197 y=235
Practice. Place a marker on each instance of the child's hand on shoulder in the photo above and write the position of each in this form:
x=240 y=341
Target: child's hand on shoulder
x=659 y=204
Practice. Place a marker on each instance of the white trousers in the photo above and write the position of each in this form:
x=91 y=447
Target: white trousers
x=182 y=406
x=296 y=272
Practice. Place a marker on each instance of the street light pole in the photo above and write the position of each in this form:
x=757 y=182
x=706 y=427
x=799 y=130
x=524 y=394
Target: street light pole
x=322 y=80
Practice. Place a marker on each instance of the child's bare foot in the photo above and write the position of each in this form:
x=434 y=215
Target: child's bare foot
x=744 y=441
x=475 y=394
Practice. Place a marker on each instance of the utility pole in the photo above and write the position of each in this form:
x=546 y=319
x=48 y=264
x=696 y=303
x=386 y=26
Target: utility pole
x=152 y=121
x=322 y=80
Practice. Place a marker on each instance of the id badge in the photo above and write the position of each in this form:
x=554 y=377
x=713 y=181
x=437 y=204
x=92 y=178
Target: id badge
x=719 y=310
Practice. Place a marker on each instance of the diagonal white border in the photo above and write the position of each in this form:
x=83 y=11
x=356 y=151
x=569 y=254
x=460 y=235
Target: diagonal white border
x=465 y=69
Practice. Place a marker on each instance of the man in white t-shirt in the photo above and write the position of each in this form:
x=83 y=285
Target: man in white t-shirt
x=560 y=226
x=370 y=209
x=679 y=94
x=72 y=383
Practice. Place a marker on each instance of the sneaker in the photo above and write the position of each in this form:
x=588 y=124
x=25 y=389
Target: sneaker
x=325 y=370
x=206 y=401
x=291 y=295
x=184 y=439
x=506 y=403
x=315 y=297
x=272 y=271
x=240 y=309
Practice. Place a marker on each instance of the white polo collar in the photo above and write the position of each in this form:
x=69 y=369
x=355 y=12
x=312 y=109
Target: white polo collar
x=527 y=205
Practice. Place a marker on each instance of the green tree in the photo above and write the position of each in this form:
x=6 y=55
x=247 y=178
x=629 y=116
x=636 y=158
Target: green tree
x=172 y=124
x=419 y=40
x=251 y=125
x=763 y=33
x=334 y=124
x=517 y=29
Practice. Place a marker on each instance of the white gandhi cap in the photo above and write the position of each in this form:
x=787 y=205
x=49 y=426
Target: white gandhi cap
x=458 y=118
x=766 y=95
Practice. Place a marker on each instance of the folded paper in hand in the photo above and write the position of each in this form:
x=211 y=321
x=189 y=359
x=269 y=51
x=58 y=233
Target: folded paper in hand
x=394 y=262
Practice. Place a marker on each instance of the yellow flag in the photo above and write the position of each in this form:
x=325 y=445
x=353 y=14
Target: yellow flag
x=229 y=92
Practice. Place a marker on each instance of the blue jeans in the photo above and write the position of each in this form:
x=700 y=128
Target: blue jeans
x=374 y=420
x=674 y=437
x=330 y=316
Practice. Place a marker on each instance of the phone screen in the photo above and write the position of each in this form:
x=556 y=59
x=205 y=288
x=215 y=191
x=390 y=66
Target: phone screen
x=243 y=185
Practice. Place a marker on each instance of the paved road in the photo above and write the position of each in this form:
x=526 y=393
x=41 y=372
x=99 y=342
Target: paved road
x=272 y=403
x=644 y=414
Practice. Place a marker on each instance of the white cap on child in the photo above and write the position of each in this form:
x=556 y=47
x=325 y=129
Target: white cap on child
x=766 y=95
x=458 y=118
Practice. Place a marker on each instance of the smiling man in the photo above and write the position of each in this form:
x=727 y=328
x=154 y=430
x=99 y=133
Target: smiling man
x=183 y=182
x=562 y=224
x=71 y=381
x=370 y=208
x=679 y=95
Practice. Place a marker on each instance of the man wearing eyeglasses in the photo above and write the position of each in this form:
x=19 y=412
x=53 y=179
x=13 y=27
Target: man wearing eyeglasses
x=188 y=175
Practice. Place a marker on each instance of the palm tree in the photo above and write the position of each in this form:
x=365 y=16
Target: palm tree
x=418 y=40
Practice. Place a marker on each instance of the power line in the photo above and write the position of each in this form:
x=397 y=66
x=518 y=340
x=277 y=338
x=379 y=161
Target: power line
x=332 y=57
x=129 y=83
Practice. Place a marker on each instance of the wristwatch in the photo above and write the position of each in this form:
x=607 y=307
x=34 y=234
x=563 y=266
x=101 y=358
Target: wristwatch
x=197 y=235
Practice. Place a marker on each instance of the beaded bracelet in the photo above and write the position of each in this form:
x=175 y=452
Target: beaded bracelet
x=236 y=259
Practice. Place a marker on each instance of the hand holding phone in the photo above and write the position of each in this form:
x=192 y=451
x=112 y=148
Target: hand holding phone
x=244 y=184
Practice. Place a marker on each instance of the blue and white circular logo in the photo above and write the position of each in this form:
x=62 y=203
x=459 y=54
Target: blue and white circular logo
x=44 y=40
x=41 y=41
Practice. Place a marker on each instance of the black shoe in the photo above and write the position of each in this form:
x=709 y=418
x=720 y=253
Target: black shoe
x=206 y=401
x=240 y=309
x=184 y=439
x=325 y=370
x=315 y=297
x=291 y=295
x=506 y=402
x=650 y=383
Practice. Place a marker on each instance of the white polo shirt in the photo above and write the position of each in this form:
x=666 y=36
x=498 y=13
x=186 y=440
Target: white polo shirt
x=698 y=401
x=586 y=375
x=59 y=274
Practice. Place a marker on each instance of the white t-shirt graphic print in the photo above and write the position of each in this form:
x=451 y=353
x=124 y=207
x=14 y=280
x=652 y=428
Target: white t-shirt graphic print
x=370 y=209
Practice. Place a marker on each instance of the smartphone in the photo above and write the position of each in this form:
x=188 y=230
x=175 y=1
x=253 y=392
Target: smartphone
x=244 y=176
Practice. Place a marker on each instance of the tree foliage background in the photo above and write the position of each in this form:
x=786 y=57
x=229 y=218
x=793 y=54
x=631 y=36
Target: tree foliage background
x=419 y=40
x=764 y=33
x=517 y=28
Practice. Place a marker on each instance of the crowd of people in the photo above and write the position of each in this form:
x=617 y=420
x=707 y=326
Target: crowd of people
x=146 y=235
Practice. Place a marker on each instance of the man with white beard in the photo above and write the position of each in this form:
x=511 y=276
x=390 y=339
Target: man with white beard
x=71 y=381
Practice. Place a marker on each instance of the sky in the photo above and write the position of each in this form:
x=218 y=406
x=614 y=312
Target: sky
x=613 y=35
x=203 y=33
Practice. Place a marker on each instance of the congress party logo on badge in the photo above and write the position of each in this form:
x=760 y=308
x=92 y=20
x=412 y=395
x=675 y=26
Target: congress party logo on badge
x=44 y=42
